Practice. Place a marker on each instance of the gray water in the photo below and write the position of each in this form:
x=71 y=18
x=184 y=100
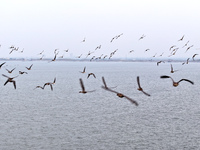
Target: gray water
x=66 y=119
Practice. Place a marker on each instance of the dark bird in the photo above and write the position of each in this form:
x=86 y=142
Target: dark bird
x=142 y=37
x=175 y=84
x=140 y=88
x=181 y=38
x=10 y=71
x=118 y=94
x=189 y=48
x=83 y=70
x=83 y=40
x=172 y=70
x=79 y=56
x=41 y=52
x=194 y=56
x=66 y=50
x=29 y=68
x=131 y=51
x=172 y=47
x=160 y=62
x=50 y=84
x=2 y=64
x=185 y=44
x=146 y=50
x=42 y=87
x=54 y=59
x=22 y=72
x=91 y=74
x=10 y=80
x=187 y=61
x=83 y=88
x=98 y=47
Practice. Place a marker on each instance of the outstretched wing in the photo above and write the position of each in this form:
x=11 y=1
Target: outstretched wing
x=14 y=83
x=51 y=87
x=146 y=93
x=171 y=68
x=138 y=81
x=164 y=76
x=84 y=69
x=54 y=81
x=6 y=82
x=131 y=100
x=5 y=76
x=104 y=82
x=81 y=83
x=186 y=80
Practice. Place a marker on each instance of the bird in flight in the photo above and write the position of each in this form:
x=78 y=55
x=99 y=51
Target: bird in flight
x=22 y=72
x=181 y=38
x=10 y=71
x=172 y=70
x=91 y=74
x=160 y=62
x=175 y=84
x=83 y=87
x=142 y=37
x=83 y=70
x=29 y=68
x=140 y=88
x=10 y=80
x=118 y=94
x=50 y=84
x=194 y=56
x=2 y=64
x=42 y=87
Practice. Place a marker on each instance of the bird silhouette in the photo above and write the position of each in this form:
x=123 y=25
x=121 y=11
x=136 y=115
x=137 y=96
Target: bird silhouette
x=118 y=94
x=10 y=80
x=83 y=70
x=29 y=68
x=140 y=88
x=83 y=87
x=172 y=70
x=175 y=84
x=2 y=64
x=10 y=71
x=50 y=84
x=91 y=74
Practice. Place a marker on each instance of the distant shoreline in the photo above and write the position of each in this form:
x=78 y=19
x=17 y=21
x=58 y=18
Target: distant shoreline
x=101 y=60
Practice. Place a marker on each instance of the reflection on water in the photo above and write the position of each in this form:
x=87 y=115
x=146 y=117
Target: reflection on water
x=65 y=119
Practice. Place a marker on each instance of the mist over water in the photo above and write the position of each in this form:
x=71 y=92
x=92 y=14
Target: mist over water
x=66 y=119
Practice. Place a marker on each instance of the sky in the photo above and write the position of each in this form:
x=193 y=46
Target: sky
x=45 y=25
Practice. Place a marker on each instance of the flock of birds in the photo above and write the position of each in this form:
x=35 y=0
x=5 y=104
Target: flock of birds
x=173 y=49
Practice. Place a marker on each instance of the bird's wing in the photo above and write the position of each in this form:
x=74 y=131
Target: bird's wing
x=84 y=69
x=164 y=76
x=88 y=76
x=51 y=87
x=14 y=83
x=81 y=83
x=131 y=100
x=104 y=82
x=54 y=80
x=146 y=93
x=6 y=82
x=171 y=68
x=138 y=81
x=94 y=75
x=5 y=76
x=108 y=89
x=12 y=69
x=186 y=80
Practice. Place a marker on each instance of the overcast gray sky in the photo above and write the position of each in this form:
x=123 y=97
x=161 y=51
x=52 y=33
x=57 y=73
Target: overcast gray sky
x=37 y=25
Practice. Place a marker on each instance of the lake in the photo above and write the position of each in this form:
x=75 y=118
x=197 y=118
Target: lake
x=66 y=119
